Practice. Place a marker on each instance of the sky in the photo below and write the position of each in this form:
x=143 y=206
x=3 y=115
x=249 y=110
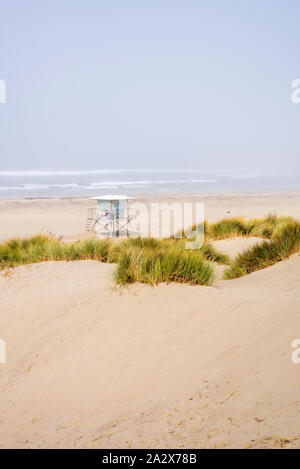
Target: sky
x=94 y=84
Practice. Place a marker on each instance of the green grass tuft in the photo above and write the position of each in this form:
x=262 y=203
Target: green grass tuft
x=228 y=228
x=149 y=260
x=42 y=248
x=285 y=242
x=153 y=266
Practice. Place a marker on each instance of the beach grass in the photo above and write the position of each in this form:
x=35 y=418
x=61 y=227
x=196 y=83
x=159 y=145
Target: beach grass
x=42 y=248
x=284 y=242
x=162 y=262
x=149 y=260
x=144 y=260
x=255 y=227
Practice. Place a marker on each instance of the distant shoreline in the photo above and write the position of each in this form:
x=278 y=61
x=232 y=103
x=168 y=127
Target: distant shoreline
x=169 y=195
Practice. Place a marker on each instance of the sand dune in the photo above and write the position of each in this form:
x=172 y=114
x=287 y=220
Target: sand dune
x=89 y=365
x=234 y=246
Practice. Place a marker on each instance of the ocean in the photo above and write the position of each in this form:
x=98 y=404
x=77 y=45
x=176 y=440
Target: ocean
x=87 y=183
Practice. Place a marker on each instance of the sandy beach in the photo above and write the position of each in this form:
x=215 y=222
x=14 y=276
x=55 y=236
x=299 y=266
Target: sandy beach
x=67 y=217
x=92 y=365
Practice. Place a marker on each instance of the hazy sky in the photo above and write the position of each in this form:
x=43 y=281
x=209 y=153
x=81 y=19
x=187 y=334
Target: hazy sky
x=149 y=83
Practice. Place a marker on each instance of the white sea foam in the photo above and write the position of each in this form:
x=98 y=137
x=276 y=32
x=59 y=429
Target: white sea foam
x=25 y=187
x=104 y=184
x=69 y=183
x=57 y=173
x=87 y=172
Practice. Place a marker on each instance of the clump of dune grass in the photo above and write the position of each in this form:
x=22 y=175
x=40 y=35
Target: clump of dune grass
x=285 y=242
x=266 y=227
x=143 y=260
x=227 y=228
x=149 y=260
x=207 y=250
x=41 y=248
x=223 y=229
x=234 y=227
x=261 y=227
x=139 y=242
x=257 y=257
x=210 y=253
x=116 y=249
x=148 y=265
x=287 y=239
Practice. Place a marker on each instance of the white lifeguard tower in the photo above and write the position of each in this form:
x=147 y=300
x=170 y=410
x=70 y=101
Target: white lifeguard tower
x=110 y=217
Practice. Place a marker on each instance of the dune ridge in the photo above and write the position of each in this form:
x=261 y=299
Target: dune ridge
x=90 y=365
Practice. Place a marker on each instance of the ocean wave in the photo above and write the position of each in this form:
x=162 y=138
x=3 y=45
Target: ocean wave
x=103 y=185
x=57 y=173
x=32 y=187
x=88 y=172
x=24 y=187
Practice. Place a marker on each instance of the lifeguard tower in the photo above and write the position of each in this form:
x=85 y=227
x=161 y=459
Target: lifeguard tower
x=110 y=217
